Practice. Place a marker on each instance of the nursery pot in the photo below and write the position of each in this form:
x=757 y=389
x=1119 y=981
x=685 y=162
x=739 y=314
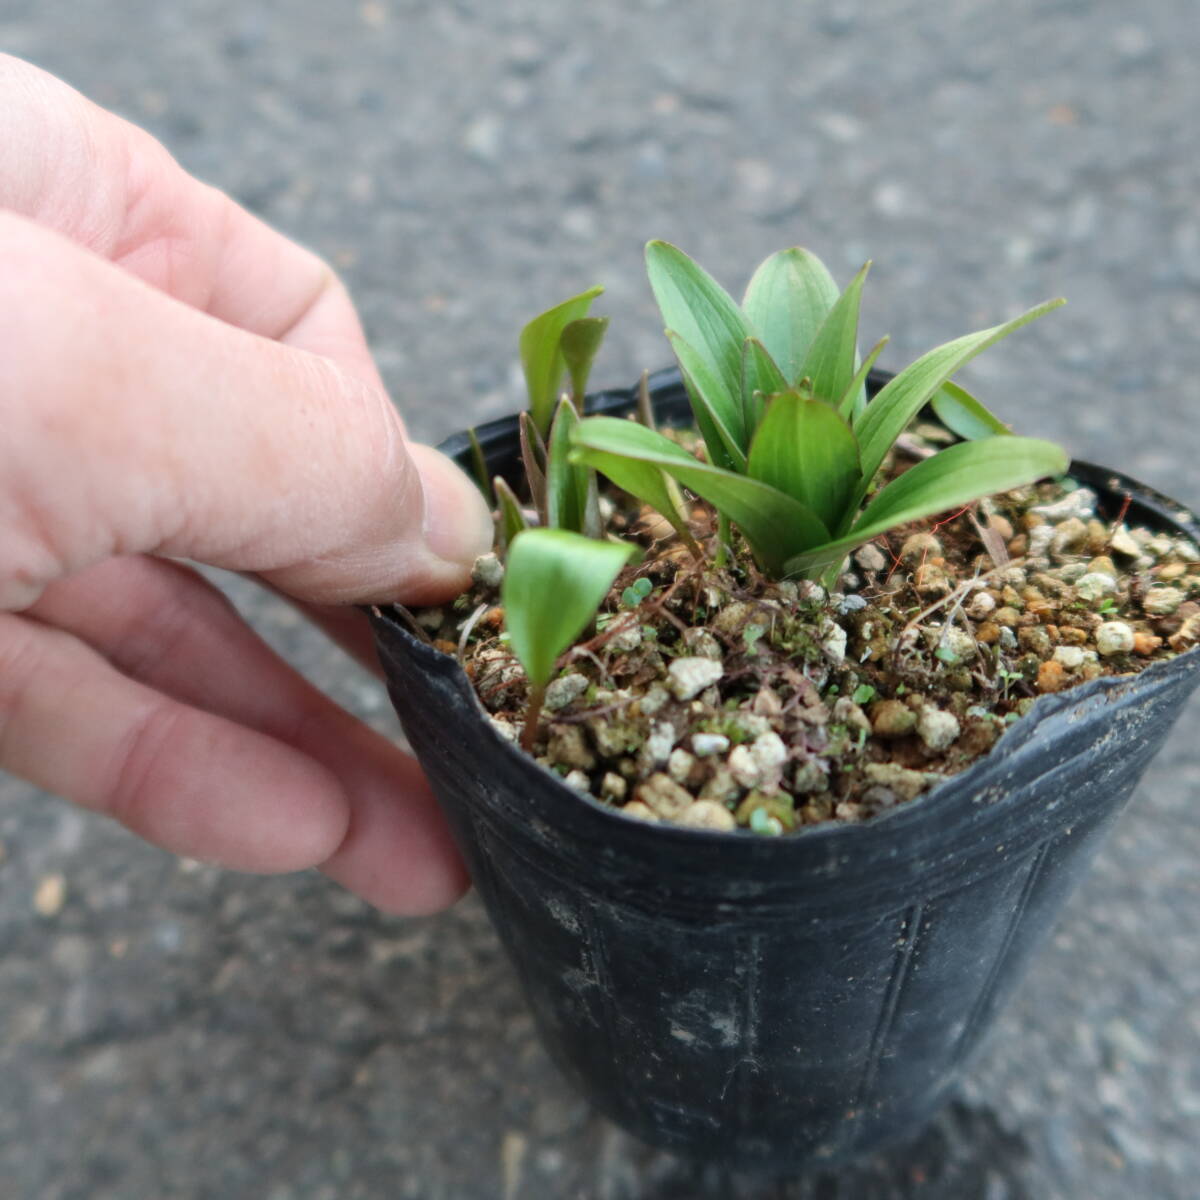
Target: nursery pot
x=781 y=1002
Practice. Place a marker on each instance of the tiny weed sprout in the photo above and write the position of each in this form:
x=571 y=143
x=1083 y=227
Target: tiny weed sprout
x=792 y=450
x=554 y=582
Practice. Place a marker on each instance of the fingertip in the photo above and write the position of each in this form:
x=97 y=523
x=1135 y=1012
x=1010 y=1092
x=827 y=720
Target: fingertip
x=457 y=525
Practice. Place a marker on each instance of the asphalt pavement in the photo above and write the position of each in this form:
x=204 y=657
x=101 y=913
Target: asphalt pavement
x=171 y=1030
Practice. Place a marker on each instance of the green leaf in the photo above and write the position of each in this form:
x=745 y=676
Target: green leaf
x=533 y=459
x=954 y=477
x=760 y=378
x=832 y=358
x=554 y=582
x=854 y=398
x=704 y=315
x=580 y=342
x=512 y=519
x=775 y=525
x=710 y=405
x=566 y=482
x=642 y=480
x=961 y=413
x=542 y=356
x=805 y=449
x=786 y=300
x=479 y=465
x=886 y=417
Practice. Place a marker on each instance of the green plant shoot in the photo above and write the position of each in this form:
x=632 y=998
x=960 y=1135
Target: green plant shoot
x=543 y=359
x=777 y=391
x=554 y=583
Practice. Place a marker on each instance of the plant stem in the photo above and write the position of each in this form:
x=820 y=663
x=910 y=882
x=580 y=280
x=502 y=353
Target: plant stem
x=724 y=534
x=533 y=710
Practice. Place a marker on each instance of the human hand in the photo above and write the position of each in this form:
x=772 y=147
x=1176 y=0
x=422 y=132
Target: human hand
x=178 y=381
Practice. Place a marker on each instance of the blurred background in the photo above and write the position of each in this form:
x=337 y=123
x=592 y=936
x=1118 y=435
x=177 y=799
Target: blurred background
x=170 y=1030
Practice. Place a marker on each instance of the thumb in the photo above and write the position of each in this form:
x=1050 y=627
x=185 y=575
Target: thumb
x=135 y=424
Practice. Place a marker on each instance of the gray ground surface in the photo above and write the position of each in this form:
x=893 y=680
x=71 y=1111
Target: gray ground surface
x=174 y=1031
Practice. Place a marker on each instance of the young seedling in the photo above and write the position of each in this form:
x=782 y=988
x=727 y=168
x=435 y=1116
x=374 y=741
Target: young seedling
x=792 y=447
x=554 y=582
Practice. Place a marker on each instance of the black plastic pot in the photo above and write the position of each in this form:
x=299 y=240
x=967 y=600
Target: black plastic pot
x=791 y=1001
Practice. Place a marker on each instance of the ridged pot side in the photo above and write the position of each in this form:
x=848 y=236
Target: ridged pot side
x=782 y=1001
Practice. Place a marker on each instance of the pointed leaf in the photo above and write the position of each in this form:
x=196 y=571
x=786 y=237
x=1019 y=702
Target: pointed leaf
x=955 y=476
x=832 y=358
x=854 y=399
x=511 y=519
x=479 y=465
x=566 y=482
x=786 y=300
x=709 y=406
x=642 y=480
x=580 y=343
x=775 y=525
x=554 y=582
x=961 y=413
x=533 y=459
x=760 y=378
x=704 y=316
x=542 y=357
x=886 y=417
x=805 y=449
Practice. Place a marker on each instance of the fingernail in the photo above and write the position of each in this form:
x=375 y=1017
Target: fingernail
x=458 y=526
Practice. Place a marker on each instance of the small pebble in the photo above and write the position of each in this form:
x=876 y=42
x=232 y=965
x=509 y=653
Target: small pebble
x=907 y=784
x=662 y=796
x=1068 y=536
x=50 y=896
x=569 y=746
x=657 y=747
x=702 y=644
x=937 y=729
x=1051 y=677
x=680 y=764
x=707 y=814
x=506 y=729
x=720 y=785
x=635 y=808
x=920 y=546
x=704 y=744
x=981 y=606
x=579 y=781
x=769 y=752
x=1145 y=644
x=1122 y=543
x=488 y=571
x=626 y=639
x=1161 y=601
x=656 y=696
x=744 y=766
x=1079 y=503
x=688 y=677
x=832 y=640
x=613 y=787
x=1070 y=657
x=870 y=557
x=1114 y=637
x=892 y=719
x=565 y=690
x=1095 y=586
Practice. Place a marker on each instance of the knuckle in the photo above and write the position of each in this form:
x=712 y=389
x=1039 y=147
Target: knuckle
x=130 y=792
x=20 y=660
